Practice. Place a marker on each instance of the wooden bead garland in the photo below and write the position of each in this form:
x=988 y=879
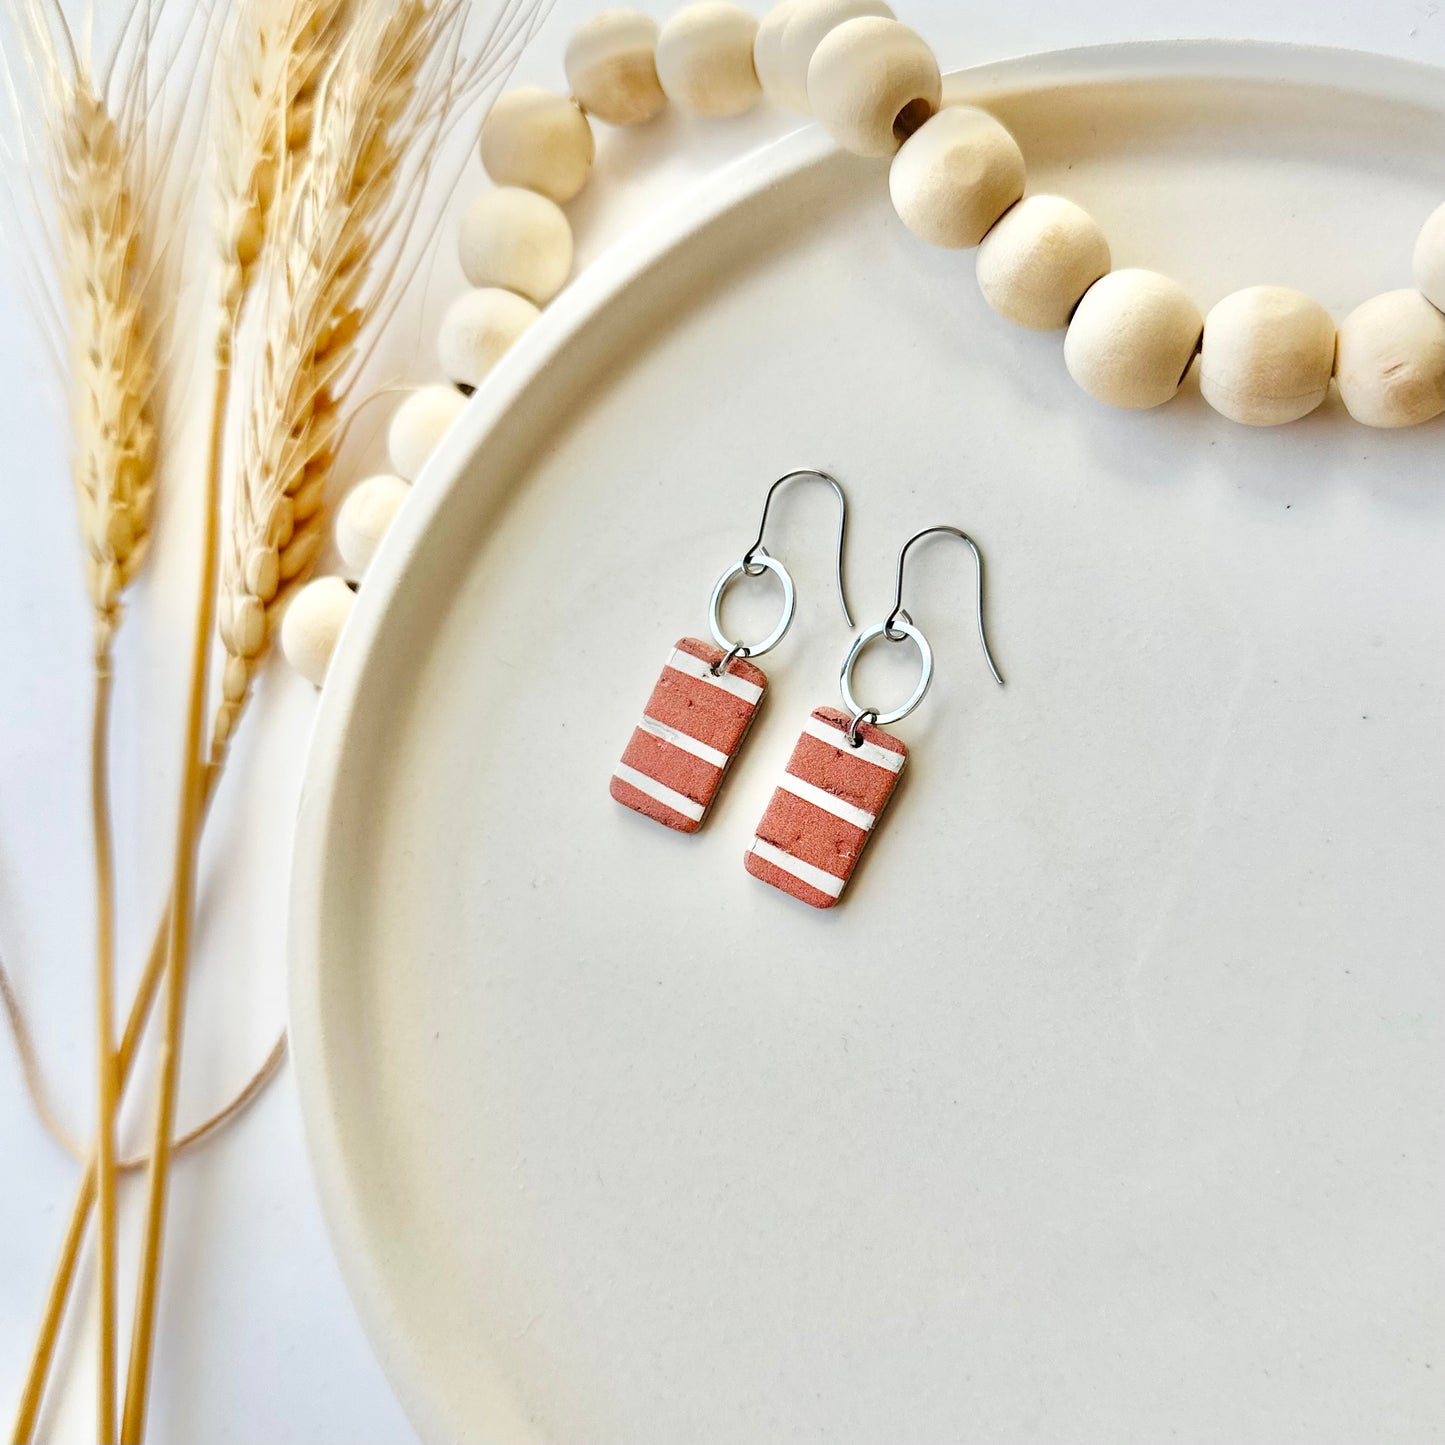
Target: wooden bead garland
x=705 y=59
x=768 y=51
x=1429 y=258
x=1390 y=361
x=1267 y=354
x=538 y=140
x=611 y=65
x=517 y=239
x=364 y=517
x=955 y=176
x=1039 y=260
x=478 y=329
x=871 y=82
x=806 y=24
x=418 y=424
x=311 y=626
x=1132 y=338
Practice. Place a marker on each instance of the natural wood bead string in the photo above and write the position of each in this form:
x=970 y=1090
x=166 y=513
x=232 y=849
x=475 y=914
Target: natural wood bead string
x=955 y=176
x=805 y=23
x=312 y=625
x=1429 y=258
x=1266 y=355
x=515 y=238
x=611 y=65
x=478 y=330
x=868 y=79
x=540 y=141
x=364 y=517
x=1132 y=338
x=1038 y=260
x=418 y=424
x=705 y=59
x=1390 y=362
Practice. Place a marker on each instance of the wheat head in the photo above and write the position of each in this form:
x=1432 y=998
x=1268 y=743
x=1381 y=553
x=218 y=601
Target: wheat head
x=263 y=122
x=371 y=108
x=111 y=363
x=102 y=268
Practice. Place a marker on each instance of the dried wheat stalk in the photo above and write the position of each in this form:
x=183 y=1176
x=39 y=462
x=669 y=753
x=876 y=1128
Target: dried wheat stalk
x=375 y=102
x=106 y=241
x=335 y=215
x=399 y=82
x=99 y=181
x=262 y=131
x=113 y=468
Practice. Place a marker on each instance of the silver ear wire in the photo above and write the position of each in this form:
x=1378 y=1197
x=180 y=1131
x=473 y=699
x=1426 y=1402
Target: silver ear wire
x=750 y=556
x=898 y=626
x=891 y=629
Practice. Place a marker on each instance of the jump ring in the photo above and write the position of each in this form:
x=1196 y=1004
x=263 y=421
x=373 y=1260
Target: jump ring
x=845 y=677
x=867 y=715
x=765 y=563
x=733 y=653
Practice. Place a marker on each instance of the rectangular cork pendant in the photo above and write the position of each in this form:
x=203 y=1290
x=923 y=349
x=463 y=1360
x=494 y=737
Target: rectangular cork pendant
x=824 y=810
x=693 y=724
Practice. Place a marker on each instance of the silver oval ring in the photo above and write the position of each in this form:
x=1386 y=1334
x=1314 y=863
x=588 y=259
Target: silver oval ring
x=845 y=678
x=790 y=603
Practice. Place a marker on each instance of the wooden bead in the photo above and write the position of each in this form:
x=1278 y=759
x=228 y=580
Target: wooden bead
x=611 y=65
x=365 y=516
x=1390 y=362
x=1267 y=356
x=517 y=239
x=1132 y=338
x=870 y=82
x=1040 y=258
x=418 y=424
x=955 y=176
x=535 y=139
x=705 y=59
x=478 y=329
x=768 y=48
x=808 y=21
x=312 y=626
x=1430 y=258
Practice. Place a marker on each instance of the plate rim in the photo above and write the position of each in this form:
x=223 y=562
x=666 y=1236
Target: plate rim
x=1357 y=72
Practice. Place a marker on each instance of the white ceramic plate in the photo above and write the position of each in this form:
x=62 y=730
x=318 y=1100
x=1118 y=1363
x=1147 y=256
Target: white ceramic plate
x=1106 y=1107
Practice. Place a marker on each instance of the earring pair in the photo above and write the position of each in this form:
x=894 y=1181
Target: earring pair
x=845 y=765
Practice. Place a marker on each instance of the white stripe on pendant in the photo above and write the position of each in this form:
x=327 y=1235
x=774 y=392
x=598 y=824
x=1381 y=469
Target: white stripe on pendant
x=685 y=662
x=660 y=792
x=822 y=798
x=681 y=740
x=838 y=738
x=803 y=872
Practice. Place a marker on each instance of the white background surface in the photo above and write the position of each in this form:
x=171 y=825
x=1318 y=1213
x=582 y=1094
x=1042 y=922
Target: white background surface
x=258 y=1337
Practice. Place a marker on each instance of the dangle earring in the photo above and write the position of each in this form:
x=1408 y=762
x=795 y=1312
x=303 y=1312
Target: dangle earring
x=704 y=702
x=844 y=767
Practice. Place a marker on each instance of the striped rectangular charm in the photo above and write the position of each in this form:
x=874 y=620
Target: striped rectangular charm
x=823 y=811
x=694 y=723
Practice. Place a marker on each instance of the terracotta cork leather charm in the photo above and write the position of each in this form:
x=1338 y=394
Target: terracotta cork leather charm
x=694 y=722
x=823 y=812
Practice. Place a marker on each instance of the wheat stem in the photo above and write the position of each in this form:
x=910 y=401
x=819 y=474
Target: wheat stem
x=101 y=831
x=111 y=374
x=63 y=1280
x=191 y=812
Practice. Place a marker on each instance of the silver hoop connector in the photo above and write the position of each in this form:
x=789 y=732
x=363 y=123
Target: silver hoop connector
x=845 y=677
x=763 y=563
